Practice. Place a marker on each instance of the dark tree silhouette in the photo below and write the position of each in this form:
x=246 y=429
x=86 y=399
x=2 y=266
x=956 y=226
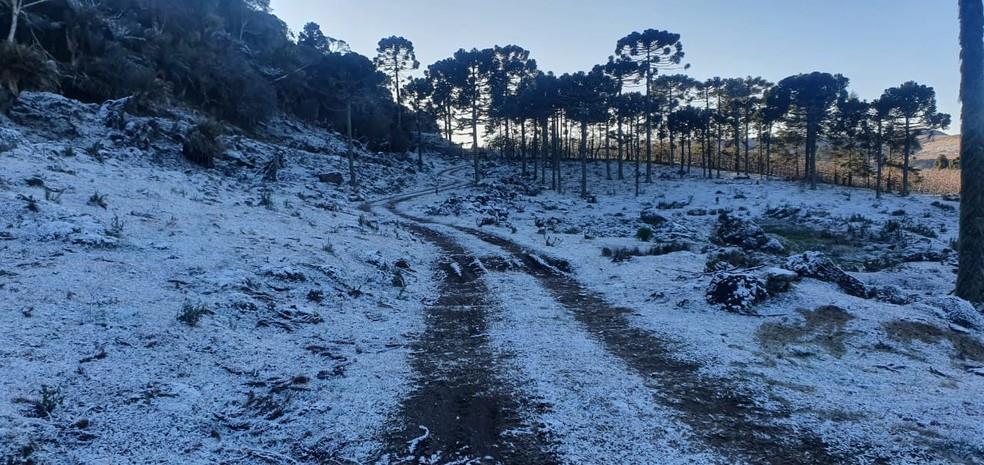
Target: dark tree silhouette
x=17 y=7
x=850 y=123
x=970 y=278
x=395 y=56
x=585 y=96
x=913 y=105
x=621 y=70
x=814 y=95
x=511 y=65
x=313 y=38
x=772 y=112
x=652 y=50
x=351 y=77
x=471 y=75
x=879 y=117
x=443 y=93
x=419 y=92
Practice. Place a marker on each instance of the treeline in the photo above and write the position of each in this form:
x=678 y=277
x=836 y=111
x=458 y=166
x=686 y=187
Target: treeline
x=239 y=62
x=230 y=58
x=638 y=107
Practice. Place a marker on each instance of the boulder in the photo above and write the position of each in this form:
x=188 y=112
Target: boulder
x=52 y=114
x=891 y=294
x=779 y=280
x=743 y=233
x=818 y=266
x=957 y=311
x=332 y=178
x=730 y=258
x=652 y=217
x=737 y=292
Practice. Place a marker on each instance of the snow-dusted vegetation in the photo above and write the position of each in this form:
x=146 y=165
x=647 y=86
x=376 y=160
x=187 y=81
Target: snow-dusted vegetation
x=155 y=312
x=836 y=322
x=226 y=242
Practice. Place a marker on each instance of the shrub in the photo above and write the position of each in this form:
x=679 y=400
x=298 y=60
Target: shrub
x=51 y=398
x=728 y=259
x=98 y=200
x=202 y=144
x=24 y=68
x=191 y=315
x=115 y=229
x=645 y=233
x=921 y=230
x=266 y=199
x=32 y=203
x=621 y=254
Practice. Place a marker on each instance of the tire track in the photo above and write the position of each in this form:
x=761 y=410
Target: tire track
x=462 y=410
x=716 y=409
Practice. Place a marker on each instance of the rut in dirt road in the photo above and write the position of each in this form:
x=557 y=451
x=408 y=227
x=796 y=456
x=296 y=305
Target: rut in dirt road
x=716 y=409
x=461 y=408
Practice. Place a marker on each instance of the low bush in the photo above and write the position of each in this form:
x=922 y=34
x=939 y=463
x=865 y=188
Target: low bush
x=202 y=144
x=621 y=254
x=191 y=315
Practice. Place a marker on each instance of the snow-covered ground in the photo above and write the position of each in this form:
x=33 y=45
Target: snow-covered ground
x=876 y=380
x=156 y=312
x=301 y=350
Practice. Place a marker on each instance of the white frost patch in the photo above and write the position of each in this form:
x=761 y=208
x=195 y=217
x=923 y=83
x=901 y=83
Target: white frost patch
x=599 y=410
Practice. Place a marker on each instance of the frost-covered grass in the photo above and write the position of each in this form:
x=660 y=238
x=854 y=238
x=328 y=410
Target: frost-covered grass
x=878 y=395
x=169 y=311
x=157 y=312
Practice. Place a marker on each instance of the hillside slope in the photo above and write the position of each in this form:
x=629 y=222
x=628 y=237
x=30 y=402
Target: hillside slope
x=157 y=312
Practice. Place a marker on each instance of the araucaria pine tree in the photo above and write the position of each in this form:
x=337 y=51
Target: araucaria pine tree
x=396 y=56
x=652 y=50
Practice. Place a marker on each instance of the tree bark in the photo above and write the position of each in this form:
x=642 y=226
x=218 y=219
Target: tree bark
x=621 y=143
x=905 y=157
x=15 y=9
x=522 y=144
x=420 y=141
x=474 y=121
x=970 y=277
x=584 y=159
x=353 y=180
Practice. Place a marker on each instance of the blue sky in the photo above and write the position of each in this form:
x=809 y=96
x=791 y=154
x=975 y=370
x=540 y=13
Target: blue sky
x=875 y=43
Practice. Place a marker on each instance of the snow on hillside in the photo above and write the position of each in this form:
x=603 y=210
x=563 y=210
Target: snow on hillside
x=156 y=312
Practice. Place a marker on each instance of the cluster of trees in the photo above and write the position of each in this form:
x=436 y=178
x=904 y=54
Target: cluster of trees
x=231 y=58
x=636 y=108
x=236 y=60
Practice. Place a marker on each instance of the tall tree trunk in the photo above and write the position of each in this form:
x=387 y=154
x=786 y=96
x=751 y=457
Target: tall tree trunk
x=970 y=277
x=399 y=98
x=474 y=123
x=14 y=17
x=522 y=144
x=510 y=153
x=638 y=172
x=420 y=140
x=649 y=119
x=905 y=157
x=584 y=159
x=545 y=141
x=747 y=131
x=768 y=151
x=621 y=143
x=608 y=154
x=350 y=150
x=720 y=149
x=811 y=142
